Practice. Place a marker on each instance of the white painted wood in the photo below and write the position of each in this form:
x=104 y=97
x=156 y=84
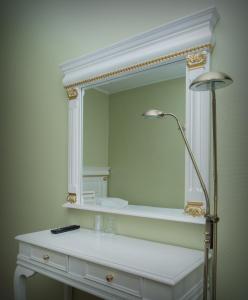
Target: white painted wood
x=98 y=184
x=122 y=281
x=95 y=179
x=159 y=213
x=96 y=171
x=21 y=274
x=141 y=269
x=198 y=134
x=50 y=258
x=75 y=136
x=174 y=36
x=187 y=32
x=163 y=263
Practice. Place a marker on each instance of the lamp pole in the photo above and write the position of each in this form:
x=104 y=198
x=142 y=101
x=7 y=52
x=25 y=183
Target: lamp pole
x=211 y=81
x=209 y=220
x=215 y=188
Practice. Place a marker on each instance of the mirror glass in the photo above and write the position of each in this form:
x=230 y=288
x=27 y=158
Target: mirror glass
x=146 y=157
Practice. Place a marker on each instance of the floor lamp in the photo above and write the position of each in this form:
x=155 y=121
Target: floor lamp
x=210 y=82
x=206 y=82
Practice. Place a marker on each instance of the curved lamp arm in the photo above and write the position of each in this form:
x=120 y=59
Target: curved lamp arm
x=154 y=114
x=193 y=161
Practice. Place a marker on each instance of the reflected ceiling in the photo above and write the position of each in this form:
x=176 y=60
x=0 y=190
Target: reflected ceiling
x=162 y=73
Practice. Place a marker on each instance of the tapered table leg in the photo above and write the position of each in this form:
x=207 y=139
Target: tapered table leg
x=20 y=277
x=67 y=292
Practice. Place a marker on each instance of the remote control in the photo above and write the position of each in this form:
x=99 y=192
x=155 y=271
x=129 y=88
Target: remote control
x=64 y=229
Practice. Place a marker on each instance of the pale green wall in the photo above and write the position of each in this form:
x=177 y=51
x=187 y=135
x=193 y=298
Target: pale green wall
x=147 y=156
x=95 y=128
x=36 y=37
x=139 y=152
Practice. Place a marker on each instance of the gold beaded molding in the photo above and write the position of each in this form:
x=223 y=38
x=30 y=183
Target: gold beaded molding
x=72 y=197
x=142 y=65
x=194 y=208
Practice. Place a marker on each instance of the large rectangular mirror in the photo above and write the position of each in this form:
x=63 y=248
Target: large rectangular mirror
x=112 y=151
x=146 y=157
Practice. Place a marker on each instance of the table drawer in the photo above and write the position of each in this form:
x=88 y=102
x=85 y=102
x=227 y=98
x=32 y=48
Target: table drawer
x=124 y=282
x=116 y=279
x=50 y=258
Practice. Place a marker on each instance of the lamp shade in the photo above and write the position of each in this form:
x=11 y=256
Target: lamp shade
x=153 y=114
x=209 y=81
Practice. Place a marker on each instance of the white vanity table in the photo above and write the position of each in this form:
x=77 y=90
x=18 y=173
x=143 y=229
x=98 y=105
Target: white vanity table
x=110 y=266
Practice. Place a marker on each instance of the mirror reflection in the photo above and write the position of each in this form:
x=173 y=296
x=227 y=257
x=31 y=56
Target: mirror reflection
x=145 y=157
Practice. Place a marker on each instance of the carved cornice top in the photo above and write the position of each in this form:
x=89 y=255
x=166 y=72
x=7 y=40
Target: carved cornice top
x=171 y=41
x=194 y=60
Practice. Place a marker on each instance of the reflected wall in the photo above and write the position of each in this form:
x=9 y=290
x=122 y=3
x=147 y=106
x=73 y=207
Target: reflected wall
x=146 y=157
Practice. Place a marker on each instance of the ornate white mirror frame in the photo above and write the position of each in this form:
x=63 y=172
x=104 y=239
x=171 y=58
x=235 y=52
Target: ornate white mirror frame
x=189 y=38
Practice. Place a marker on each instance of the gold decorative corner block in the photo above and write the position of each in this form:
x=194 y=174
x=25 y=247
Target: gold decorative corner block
x=72 y=93
x=194 y=208
x=72 y=197
x=196 y=60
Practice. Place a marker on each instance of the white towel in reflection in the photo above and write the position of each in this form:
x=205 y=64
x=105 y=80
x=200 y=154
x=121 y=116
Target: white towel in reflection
x=111 y=202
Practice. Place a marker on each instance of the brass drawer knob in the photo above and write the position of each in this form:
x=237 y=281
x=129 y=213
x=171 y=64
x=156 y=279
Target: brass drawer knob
x=109 y=277
x=46 y=257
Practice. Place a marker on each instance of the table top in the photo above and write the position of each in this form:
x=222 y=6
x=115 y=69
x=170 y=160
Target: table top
x=156 y=261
